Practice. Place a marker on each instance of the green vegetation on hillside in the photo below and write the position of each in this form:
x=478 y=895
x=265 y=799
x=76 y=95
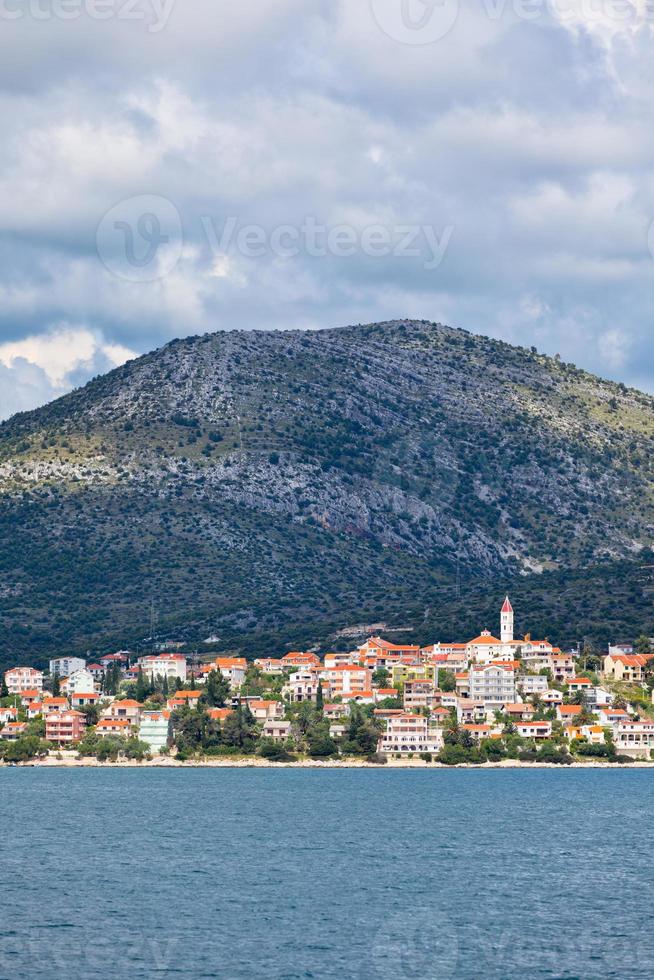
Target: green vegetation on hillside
x=271 y=488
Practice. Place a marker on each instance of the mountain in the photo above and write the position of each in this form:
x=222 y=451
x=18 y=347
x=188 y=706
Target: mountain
x=269 y=488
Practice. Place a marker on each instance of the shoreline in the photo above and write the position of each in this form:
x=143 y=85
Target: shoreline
x=251 y=763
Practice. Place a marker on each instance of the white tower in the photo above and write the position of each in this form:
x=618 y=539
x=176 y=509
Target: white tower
x=506 y=622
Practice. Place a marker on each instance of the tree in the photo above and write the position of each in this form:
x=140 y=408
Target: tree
x=112 y=679
x=23 y=749
x=381 y=677
x=4 y=690
x=643 y=645
x=239 y=729
x=142 y=687
x=320 y=700
x=216 y=690
x=446 y=681
x=321 y=746
x=56 y=686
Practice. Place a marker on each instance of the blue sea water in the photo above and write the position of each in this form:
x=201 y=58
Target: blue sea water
x=233 y=873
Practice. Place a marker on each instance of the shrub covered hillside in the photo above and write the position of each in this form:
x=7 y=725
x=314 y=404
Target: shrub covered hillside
x=272 y=487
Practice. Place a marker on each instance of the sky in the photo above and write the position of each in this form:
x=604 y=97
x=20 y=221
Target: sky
x=172 y=167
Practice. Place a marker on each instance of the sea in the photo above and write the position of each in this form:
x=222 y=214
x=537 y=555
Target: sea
x=326 y=873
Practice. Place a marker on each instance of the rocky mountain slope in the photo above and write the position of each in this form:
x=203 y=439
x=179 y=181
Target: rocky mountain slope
x=260 y=486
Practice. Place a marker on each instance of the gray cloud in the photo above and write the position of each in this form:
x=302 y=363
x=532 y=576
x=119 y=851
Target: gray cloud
x=525 y=146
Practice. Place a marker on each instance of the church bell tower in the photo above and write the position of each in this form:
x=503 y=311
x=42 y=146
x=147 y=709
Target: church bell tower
x=506 y=622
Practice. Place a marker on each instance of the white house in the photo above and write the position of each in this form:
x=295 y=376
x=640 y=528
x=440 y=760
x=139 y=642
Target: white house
x=169 y=665
x=20 y=679
x=492 y=683
x=155 y=730
x=79 y=682
x=279 y=730
x=65 y=666
x=410 y=733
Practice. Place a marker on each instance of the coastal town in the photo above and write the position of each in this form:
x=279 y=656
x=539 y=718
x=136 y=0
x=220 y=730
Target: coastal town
x=491 y=699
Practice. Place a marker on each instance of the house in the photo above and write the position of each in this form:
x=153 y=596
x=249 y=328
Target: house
x=78 y=682
x=598 y=697
x=340 y=659
x=85 y=698
x=519 y=712
x=485 y=648
x=276 y=729
x=347 y=679
x=552 y=698
x=155 y=729
x=591 y=733
x=126 y=710
x=303 y=685
x=382 y=652
x=612 y=716
x=13 y=730
x=534 y=729
x=410 y=733
x=618 y=648
x=267 y=710
x=462 y=681
x=65 y=726
x=20 y=679
x=189 y=699
x=29 y=697
x=402 y=673
x=577 y=684
x=233 y=669
x=337 y=730
x=493 y=683
x=382 y=693
x=359 y=697
x=471 y=712
x=97 y=672
x=65 y=666
x=219 y=714
x=441 y=716
x=418 y=694
x=34 y=710
x=171 y=666
x=268 y=665
x=338 y=710
x=8 y=714
x=112 y=659
x=54 y=704
x=635 y=738
x=530 y=684
x=629 y=668
x=562 y=666
x=297 y=659
x=113 y=726
x=479 y=732
x=568 y=712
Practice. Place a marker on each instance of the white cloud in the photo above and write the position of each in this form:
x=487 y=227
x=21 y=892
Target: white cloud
x=533 y=141
x=45 y=364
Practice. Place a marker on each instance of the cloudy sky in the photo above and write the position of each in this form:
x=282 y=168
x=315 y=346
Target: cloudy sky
x=170 y=167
